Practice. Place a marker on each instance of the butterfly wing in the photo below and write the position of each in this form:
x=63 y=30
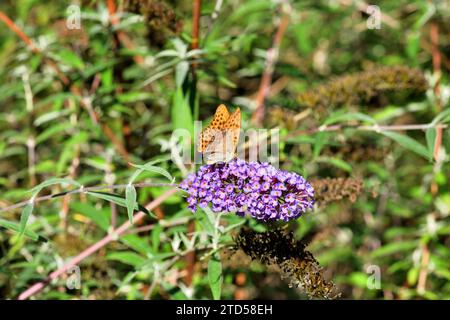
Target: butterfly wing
x=207 y=136
x=223 y=147
x=233 y=127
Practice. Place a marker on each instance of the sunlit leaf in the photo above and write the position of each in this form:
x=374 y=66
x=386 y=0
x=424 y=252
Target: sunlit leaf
x=430 y=135
x=114 y=198
x=215 y=276
x=130 y=199
x=181 y=71
x=408 y=143
x=26 y=212
x=181 y=112
x=127 y=257
x=17 y=228
x=151 y=168
x=54 y=181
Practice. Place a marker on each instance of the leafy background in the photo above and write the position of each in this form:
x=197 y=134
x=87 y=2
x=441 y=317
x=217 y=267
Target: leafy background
x=83 y=104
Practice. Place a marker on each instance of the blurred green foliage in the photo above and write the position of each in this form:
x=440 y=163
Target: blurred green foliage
x=397 y=222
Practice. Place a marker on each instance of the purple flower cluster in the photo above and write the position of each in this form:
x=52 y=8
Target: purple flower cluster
x=258 y=189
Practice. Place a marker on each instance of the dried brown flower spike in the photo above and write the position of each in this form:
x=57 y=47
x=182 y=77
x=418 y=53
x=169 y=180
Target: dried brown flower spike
x=359 y=88
x=162 y=22
x=328 y=190
x=279 y=247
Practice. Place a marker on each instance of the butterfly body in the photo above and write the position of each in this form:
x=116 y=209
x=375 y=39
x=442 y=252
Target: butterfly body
x=218 y=141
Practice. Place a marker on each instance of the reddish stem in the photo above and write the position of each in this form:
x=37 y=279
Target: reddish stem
x=266 y=80
x=74 y=89
x=11 y=25
x=123 y=38
x=436 y=56
x=196 y=11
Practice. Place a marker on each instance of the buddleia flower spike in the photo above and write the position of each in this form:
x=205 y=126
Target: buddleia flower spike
x=256 y=189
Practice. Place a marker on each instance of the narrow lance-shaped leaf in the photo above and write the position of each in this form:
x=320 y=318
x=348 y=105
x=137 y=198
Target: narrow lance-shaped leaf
x=151 y=168
x=430 y=135
x=339 y=163
x=320 y=141
x=14 y=226
x=130 y=199
x=26 y=212
x=348 y=116
x=442 y=117
x=181 y=112
x=114 y=198
x=215 y=276
x=181 y=71
x=53 y=181
x=408 y=143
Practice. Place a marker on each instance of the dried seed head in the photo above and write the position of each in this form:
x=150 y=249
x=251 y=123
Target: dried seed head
x=358 y=88
x=278 y=247
x=328 y=190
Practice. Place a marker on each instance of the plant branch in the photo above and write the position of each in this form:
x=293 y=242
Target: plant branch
x=37 y=287
x=376 y=128
x=11 y=25
x=196 y=11
x=423 y=274
x=271 y=60
x=84 y=190
x=436 y=57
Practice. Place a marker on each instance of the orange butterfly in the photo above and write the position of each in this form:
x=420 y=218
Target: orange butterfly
x=218 y=141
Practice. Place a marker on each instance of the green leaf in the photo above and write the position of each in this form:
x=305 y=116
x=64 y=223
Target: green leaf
x=54 y=181
x=181 y=113
x=167 y=53
x=215 y=276
x=227 y=82
x=133 y=96
x=408 y=143
x=301 y=140
x=52 y=132
x=248 y=8
x=50 y=116
x=114 y=198
x=413 y=45
x=149 y=167
x=205 y=221
x=338 y=163
x=233 y=226
x=320 y=141
x=348 y=116
x=101 y=217
x=430 y=135
x=127 y=257
x=26 y=212
x=181 y=71
x=412 y=276
x=137 y=243
x=156 y=237
x=394 y=247
x=14 y=226
x=70 y=58
x=358 y=279
x=442 y=117
x=130 y=199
